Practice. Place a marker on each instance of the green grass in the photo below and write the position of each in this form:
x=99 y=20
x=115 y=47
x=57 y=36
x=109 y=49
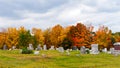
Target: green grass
x=54 y=59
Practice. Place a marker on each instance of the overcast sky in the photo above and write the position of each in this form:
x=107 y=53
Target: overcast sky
x=47 y=13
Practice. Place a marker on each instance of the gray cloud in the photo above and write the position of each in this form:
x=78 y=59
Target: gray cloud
x=47 y=13
x=9 y=7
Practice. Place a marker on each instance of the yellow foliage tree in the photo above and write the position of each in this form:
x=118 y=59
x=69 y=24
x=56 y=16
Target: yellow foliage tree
x=38 y=34
x=12 y=37
x=103 y=37
x=47 y=37
x=56 y=35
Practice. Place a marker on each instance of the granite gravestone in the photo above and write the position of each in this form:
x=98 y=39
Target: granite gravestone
x=61 y=49
x=112 y=50
x=116 y=48
x=44 y=47
x=4 y=47
x=94 y=49
x=38 y=47
x=74 y=48
x=30 y=47
x=82 y=50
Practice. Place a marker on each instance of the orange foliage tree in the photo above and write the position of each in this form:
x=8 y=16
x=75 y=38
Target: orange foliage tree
x=103 y=37
x=80 y=35
x=2 y=39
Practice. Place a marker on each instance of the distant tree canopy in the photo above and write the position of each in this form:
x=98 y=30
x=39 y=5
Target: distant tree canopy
x=75 y=35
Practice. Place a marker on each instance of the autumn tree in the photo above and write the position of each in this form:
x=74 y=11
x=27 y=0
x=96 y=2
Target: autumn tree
x=80 y=35
x=116 y=36
x=2 y=39
x=56 y=35
x=103 y=37
x=24 y=37
x=38 y=36
x=66 y=42
x=12 y=37
x=46 y=35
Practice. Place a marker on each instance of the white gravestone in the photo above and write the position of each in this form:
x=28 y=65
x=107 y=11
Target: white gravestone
x=52 y=48
x=104 y=50
x=94 y=49
x=68 y=51
x=36 y=52
x=30 y=47
x=112 y=50
x=13 y=47
x=44 y=47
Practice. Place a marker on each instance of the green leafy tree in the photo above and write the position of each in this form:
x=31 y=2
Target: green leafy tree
x=24 y=37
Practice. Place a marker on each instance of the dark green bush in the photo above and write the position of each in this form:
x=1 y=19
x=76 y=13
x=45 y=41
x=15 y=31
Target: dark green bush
x=26 y=51
x=87 y=51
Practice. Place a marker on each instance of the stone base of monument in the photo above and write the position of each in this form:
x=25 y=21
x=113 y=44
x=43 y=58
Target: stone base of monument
x=116 y=52
x=94 y=52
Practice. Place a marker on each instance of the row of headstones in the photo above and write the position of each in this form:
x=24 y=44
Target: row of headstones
x=83 y=50
x=60 y=49
x=6 y=48
x=94 y=50
x=30 y=47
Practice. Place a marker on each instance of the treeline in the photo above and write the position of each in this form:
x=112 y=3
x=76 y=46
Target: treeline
x=78 y=35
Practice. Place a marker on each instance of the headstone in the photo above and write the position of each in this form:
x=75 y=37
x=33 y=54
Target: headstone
x=112 y=50
x=52 y=48
x=104 y=50
x=13 y=47
x=36 y=52
x=116 y=48
x=57 y=49
x=10 y=49
x=61 y=49
x=44 y=47
x=68 y=52
x=82 y=50
x=74 y=48
x=94 y=49
x=38 y=47
x=4 y=47
x=30 y=47
x=70 y=49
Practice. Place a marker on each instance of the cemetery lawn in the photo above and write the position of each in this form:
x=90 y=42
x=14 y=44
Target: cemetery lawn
x=54 y=59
